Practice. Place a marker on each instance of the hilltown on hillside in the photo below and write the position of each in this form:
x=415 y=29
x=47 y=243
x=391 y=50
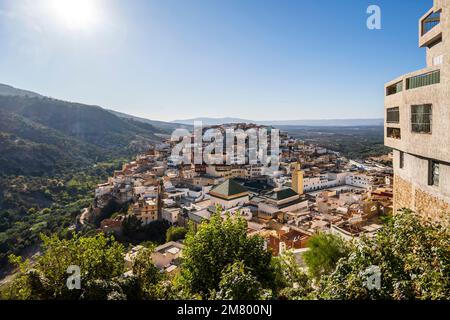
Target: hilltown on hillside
x=314 y=190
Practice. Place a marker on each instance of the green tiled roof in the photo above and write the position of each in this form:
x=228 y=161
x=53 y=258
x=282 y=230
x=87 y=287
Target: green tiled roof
x=283 y=194
x=229 y=188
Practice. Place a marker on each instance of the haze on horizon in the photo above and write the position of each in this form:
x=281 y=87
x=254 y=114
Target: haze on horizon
x=173 y=59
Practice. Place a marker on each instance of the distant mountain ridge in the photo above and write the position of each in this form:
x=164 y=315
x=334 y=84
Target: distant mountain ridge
x=168 y=127
x=6 y=90
x=41 y=135
x=312 y=123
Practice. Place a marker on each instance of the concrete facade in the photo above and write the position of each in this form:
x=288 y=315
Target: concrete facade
x=415 y=153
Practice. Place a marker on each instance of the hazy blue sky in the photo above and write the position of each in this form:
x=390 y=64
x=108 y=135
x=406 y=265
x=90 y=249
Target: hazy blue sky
x=174 y=59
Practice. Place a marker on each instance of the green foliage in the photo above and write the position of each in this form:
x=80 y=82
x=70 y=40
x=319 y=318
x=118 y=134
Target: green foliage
x=238 y=283
x=217 y=244
x=147 y=275
x=26 y=209
x=412 y=254
x=354 y=142
x=293 y=282
x=222 y=262
x=68 y=132
x=131 y=225
x=52 y=154
x=324 y=252
x=99 y=258
x=176 y=233
x=135 y=231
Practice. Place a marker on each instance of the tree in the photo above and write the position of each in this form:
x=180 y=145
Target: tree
x=217 y=244
x=238 y=283
x=135 y=231
x=325 y=250
x=131 y=225
x=293 y=281
x=176 y=233
x=99 y=258
x=146 y=273
x=411 y=256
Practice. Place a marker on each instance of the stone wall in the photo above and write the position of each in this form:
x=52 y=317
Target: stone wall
x=406 y=195
x=430 y=206
x=403 y=194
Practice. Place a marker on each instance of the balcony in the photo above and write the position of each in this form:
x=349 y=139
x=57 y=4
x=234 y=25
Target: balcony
x=430 y=32
x=395 y=88
x=431 y=21
x=423 y=80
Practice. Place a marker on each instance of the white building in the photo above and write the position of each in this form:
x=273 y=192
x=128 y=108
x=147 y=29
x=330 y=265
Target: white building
x=229 y=194
x=282 y=200
x=171 y=215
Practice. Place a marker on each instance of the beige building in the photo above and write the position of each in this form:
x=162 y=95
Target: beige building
x=146 y=210
x=297 y=179
x=168 y=256
x=417 y=121
x=281 y=201
x=171 y=215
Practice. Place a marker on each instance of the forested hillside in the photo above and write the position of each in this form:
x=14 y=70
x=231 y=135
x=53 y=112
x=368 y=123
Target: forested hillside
x=52 y=154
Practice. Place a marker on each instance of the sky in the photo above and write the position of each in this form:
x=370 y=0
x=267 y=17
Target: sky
x=179 y=59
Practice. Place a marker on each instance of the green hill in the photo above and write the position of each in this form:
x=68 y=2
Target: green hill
x=52 y=155
x=40 y=135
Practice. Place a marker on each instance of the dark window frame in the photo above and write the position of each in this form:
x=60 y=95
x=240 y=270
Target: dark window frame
x=393 y=115
x=433 y=173
x=393 y=133
x=394 y=88
x=402 y=160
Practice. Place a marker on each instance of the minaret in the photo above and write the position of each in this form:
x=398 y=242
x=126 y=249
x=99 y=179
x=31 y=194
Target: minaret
x=160 y=198
x=297 y=179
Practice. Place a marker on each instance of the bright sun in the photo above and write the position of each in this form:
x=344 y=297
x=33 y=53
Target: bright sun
x=76 y=14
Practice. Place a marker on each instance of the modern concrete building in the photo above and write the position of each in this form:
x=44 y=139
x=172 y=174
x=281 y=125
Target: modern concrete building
x=417 y=121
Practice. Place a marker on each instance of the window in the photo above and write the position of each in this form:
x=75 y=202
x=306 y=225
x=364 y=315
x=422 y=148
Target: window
x=430 y=22
x=402 y=159
x=423 y=80
x=421 y=118
x=395 y=88
x=393 y=133
x=433 y=176
x=393 y=115
x=438 y=60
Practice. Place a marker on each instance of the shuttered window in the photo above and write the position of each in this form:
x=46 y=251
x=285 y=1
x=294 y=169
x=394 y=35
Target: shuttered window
x=393 y=115
x=424 y=80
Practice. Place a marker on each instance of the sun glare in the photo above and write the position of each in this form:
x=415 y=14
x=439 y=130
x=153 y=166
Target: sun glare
x=76 y=14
